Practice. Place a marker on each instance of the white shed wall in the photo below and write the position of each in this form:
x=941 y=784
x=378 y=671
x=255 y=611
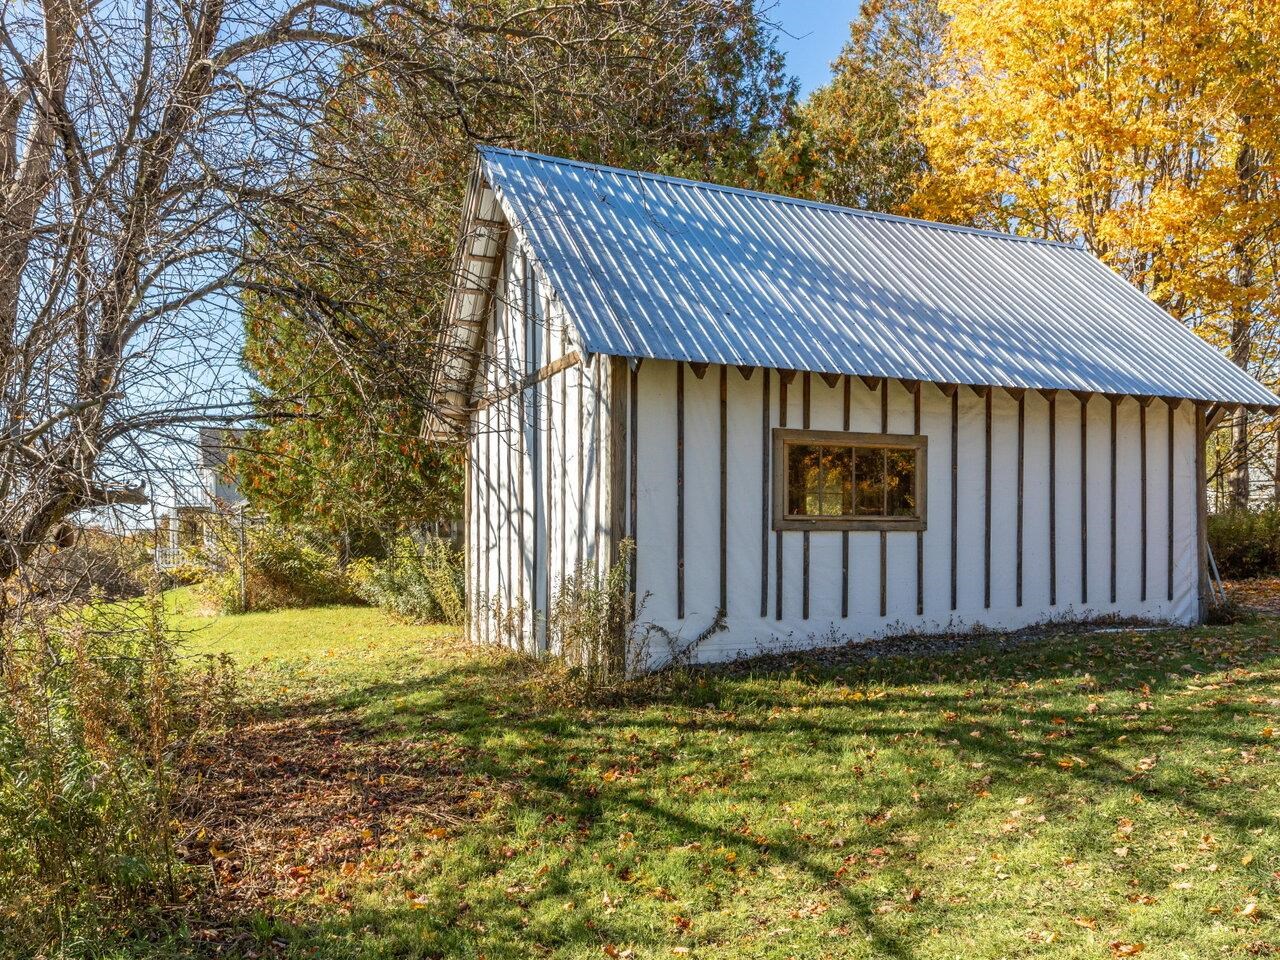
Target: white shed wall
x=539 y=493
x=750 y=539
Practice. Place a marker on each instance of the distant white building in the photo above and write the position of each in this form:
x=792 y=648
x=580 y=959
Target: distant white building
x=815 y=423
x=188 y=527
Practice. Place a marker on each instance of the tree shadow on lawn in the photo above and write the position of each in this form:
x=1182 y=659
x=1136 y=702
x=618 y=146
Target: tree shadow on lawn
x=647 y=754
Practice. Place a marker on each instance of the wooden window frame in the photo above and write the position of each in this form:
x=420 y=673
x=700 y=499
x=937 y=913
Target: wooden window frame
x=783 y=438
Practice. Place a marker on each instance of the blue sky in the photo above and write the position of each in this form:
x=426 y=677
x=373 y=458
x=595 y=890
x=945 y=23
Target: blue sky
x=814 y=33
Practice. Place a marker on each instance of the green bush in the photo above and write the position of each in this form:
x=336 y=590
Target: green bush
x=281 y=568
x=420 y=580
x=97 y=710
x=1246 y=543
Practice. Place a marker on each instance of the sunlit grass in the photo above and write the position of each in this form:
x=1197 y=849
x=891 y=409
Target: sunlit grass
x=1075 y=798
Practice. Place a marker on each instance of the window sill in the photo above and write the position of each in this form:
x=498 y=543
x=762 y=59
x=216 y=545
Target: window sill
x=887 y=524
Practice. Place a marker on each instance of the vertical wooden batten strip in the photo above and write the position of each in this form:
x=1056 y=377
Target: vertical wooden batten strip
x=724 y=489
x=765 y=448
x=633 y=434
x=1202 y=515
x=1169 y=519
x=1084 y=498
x=550 y=479
x=597 y=460
x=1053 y=498
x=986 y=508
x=1022 y=441
x=884 y=536
x=955 y=491
x=582 y=457
x=782 y=422
x=679 y=490
x=521 y=422
x=805 y=421
x=844 y=534
x=915 y=407
x=1142 y=491
x=564 y=457
x=486 y=595
x=536 y=468
x=617 y=457
x=1115 y=406
x=469 y=541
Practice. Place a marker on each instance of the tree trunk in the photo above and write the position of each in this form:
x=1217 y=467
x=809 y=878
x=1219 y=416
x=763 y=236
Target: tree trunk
x=1242 y=323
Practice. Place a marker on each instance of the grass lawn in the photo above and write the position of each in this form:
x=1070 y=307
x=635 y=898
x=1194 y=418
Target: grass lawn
x=1081 y=797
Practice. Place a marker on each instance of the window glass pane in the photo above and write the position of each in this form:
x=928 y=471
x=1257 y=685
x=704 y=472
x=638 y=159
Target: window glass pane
x=869 y=474
x=803 y=475
x=900 y=480
x=837 y=491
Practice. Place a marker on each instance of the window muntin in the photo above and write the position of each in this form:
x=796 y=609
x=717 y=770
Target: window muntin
x=826 y=479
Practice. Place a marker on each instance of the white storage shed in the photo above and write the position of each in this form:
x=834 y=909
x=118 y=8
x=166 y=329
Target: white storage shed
x=815 y=423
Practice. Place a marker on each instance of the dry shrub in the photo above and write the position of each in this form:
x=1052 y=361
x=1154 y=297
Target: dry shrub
x=98 y=707
x=281 y=568
x=420 y=580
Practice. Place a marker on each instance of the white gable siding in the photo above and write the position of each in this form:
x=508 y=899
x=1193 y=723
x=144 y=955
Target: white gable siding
x=536 y=479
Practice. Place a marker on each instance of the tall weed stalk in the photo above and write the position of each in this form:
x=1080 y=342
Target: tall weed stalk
x=98 y=709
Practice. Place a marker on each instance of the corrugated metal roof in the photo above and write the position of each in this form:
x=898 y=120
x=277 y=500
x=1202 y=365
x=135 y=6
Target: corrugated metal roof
x=658 y=267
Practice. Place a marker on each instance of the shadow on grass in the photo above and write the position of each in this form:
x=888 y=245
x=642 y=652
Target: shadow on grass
x=551 y=762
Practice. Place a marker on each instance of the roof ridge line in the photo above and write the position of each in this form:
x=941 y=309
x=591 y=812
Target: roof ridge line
x=779 y=198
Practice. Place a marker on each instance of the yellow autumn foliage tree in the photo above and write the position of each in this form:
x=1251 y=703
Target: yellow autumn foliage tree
x=1146 y=129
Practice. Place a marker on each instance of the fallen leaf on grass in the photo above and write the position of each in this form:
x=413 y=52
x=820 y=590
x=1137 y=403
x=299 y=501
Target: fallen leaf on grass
x=1121 y=949
x=1089 y=923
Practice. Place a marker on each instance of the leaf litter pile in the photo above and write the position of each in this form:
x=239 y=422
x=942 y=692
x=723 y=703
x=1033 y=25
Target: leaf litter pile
x=1261 y=595
x=277 y=802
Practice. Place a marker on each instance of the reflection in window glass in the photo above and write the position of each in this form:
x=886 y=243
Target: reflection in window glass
x=899 y=483
x=837 y=500
x=868 y=472
x=803 y=469
x=844 y=481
